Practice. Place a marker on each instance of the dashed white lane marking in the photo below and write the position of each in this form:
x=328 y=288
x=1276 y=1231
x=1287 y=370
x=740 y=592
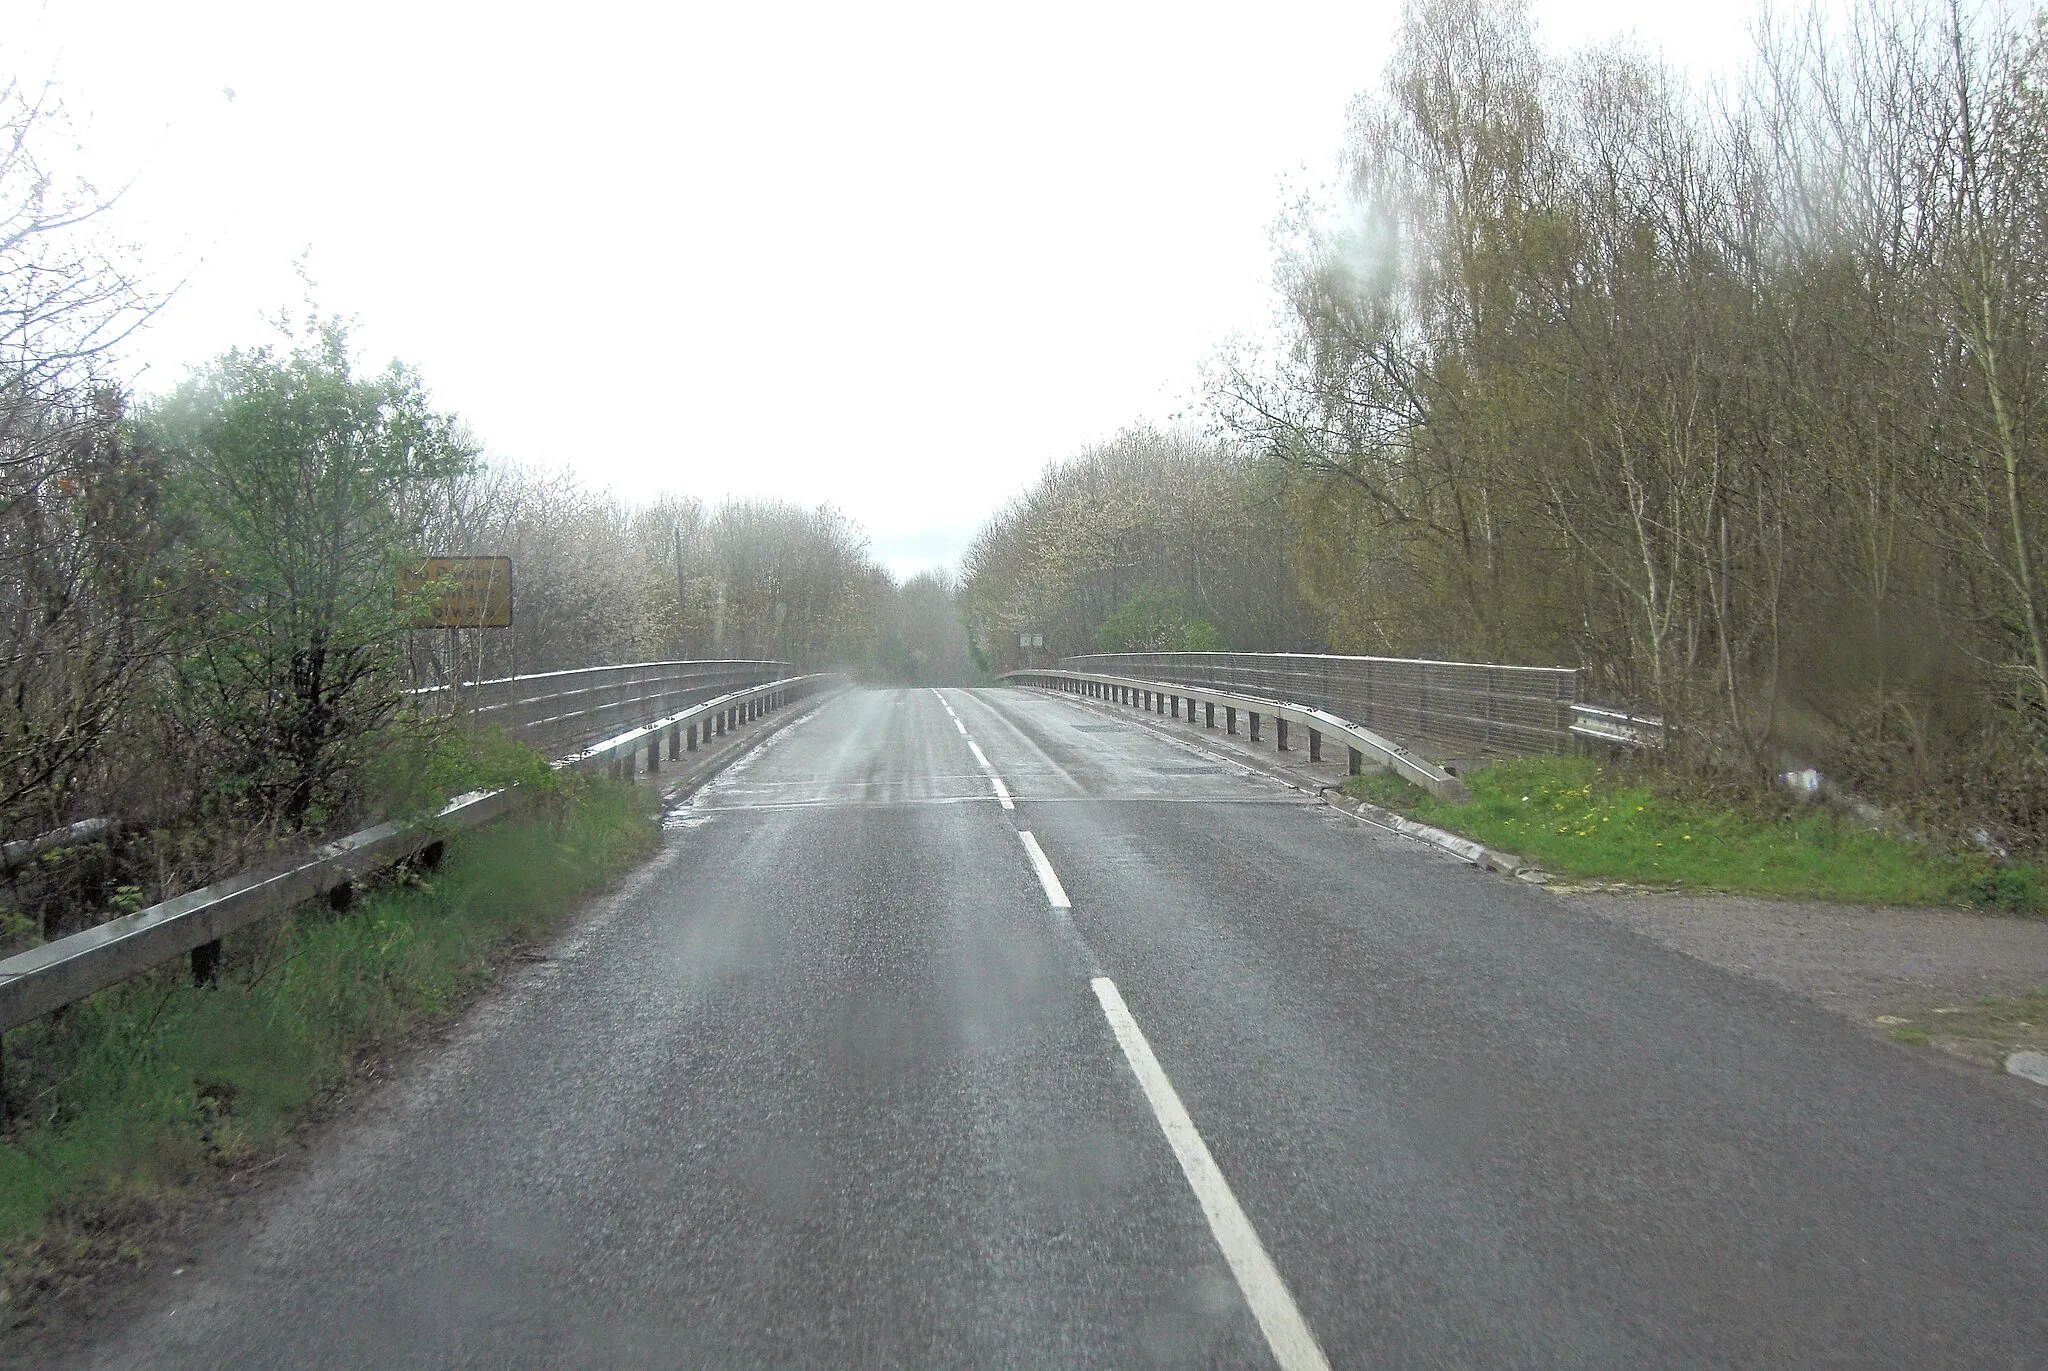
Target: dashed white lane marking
x=1055 y=893
x=1287 y=1333
x=1002 y=791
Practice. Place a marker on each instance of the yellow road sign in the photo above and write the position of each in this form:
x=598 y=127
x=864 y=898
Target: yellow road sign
x=458 y=592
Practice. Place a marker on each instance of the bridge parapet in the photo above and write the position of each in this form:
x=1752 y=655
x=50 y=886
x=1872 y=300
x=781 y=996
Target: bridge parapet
x=45 y=978
x=1161 y=697
x=1450 y=709
x=559 y=711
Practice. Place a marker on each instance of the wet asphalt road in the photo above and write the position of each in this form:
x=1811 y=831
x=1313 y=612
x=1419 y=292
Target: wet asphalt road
x=825 y=1083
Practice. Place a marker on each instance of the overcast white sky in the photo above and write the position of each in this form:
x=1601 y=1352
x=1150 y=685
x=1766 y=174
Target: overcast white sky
x=894 y=257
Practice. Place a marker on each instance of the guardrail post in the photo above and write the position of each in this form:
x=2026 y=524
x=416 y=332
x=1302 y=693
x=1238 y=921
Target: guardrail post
x=675 y=741
x=653 y=752
x=1176 y=706
x=690 y=735
x=1357 y=761
x=1230 y=719
x=1280 y=732
x=206 y=963
x=1254 y=724
x=1208 y=714
x=1315 y=746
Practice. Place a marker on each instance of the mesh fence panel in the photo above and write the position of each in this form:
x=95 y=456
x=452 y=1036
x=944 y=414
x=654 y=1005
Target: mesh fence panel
x=1445 y=709
x=560 y=711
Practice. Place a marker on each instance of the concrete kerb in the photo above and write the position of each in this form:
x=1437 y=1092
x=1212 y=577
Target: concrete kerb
x=683 y=784
x=723 y=713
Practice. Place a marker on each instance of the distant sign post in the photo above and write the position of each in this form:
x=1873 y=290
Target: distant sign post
x=458 y=592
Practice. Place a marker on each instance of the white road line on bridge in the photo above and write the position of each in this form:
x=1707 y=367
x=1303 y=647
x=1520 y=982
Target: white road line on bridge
x=1287 y=1333
x=1002 y=793
x=1055 y=893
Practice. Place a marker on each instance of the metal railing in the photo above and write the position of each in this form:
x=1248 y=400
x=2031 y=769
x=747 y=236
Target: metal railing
x=1616 y=727
x=1160 y=697
x=1449 y=709
x=557 y=711
x=686 y=730
x=65 y=970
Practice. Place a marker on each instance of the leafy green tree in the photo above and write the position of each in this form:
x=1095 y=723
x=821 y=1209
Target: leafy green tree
x=1158 y=621
x=297 y=474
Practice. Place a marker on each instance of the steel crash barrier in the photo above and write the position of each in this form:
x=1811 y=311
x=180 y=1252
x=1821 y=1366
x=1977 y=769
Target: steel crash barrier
x=1452 y=709
x=1170 y=698
x=68 y=969
x=560 y=711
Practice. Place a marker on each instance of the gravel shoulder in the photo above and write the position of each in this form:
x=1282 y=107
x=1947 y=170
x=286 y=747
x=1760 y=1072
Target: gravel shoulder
x=1865 y=961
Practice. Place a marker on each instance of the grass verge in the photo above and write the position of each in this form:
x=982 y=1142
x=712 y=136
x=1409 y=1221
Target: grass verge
x=2010 y=1021
x=1576 y=817
x=135 y=1098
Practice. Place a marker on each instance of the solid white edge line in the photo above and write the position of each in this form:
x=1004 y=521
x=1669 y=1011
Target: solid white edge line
x=979 y=755
x=1002 y=792
x=1055 y=893
x=1287 y=1333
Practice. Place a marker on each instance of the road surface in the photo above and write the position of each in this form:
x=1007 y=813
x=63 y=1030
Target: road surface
x=847 y=1075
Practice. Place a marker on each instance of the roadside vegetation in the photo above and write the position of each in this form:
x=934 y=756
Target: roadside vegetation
x=1578 y=818
x=2009 y=1021
x=1727 y=394
x=155 y=1089
x=203 y=655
